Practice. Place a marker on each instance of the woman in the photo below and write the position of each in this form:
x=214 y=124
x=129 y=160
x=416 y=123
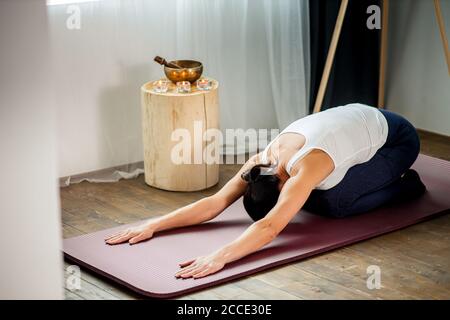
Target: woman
x=339 y=162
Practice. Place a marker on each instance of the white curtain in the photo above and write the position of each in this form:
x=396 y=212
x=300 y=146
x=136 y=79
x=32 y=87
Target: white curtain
x=257 y=49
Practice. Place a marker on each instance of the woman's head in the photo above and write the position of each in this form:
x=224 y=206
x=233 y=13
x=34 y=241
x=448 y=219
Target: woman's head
x=262 y=191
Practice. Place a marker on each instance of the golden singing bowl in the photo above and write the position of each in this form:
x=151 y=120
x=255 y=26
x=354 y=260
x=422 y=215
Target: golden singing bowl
x=191 y=71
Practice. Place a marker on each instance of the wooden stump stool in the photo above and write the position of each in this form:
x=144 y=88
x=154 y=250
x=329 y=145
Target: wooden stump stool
x=164 y=117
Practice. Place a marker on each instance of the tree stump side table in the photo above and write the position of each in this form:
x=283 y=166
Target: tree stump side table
x=162 y=114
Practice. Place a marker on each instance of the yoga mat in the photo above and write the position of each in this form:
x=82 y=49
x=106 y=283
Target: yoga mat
x=149 y=267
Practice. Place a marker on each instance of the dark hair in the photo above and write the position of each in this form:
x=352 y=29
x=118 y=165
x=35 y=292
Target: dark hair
x=262 y=191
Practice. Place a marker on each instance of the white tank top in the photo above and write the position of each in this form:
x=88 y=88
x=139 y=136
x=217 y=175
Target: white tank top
x=349 y=134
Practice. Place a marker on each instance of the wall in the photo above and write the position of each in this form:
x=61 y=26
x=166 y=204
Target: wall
x=100 y=68
x=418 y=83
x=30 y=238
x=258 y=50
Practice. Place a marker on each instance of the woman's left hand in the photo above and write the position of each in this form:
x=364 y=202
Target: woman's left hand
x=200 y=267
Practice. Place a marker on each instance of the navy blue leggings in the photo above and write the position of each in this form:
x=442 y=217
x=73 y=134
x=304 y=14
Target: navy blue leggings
x=373 y=183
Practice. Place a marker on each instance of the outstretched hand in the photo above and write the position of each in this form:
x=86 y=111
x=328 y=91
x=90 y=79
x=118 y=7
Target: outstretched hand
x=200 y=267
x=132 y=235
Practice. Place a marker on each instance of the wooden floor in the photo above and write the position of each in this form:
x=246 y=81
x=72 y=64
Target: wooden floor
x=414 y=262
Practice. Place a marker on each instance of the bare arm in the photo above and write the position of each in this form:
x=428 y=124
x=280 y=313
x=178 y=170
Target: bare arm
x=200 y=211
x=292 y=197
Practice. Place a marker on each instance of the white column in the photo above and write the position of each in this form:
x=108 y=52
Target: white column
x=30 y=236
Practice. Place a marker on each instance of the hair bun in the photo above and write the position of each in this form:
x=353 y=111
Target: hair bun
x=252 y=174
x=246 y=176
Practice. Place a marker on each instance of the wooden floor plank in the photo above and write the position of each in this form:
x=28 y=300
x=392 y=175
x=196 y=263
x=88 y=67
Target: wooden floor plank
x=434 y=145
x=69 y=231
x=71 y=295
x=263 y=290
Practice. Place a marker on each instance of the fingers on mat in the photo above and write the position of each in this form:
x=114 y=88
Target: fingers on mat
x=137 y=238
x=186 y=263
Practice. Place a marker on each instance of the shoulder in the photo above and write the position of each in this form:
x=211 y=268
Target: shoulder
x=314 y=167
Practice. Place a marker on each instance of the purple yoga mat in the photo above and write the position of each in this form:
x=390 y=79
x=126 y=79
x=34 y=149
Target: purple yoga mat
x=149 y=267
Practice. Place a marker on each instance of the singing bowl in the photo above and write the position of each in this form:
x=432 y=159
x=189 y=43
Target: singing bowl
x=191 y=71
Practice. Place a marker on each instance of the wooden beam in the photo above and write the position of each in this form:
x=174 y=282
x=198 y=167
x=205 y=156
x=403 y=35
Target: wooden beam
x=330 y=56
x=440 y=20
x=383 y=54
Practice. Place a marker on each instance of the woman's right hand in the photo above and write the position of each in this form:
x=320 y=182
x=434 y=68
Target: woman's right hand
x=132 y=235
